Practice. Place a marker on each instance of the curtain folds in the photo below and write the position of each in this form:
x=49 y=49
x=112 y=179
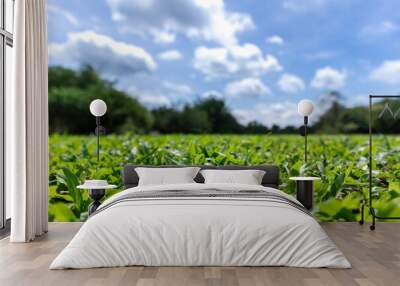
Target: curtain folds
x=27 y=124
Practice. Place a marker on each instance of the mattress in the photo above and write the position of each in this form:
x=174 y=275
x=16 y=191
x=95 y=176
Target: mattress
x=201 y=225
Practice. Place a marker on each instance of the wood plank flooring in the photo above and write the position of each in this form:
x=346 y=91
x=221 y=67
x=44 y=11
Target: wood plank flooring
x=375 y=257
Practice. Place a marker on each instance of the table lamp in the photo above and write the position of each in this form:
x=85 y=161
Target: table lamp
x=98 y=108
x=305 y=108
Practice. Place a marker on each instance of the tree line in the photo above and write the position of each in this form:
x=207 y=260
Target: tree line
x=71 y=91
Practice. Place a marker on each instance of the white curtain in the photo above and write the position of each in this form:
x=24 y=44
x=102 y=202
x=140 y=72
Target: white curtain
x=27 y=124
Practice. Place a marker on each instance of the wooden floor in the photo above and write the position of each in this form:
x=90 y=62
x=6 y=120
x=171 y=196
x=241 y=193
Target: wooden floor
x=375 y=257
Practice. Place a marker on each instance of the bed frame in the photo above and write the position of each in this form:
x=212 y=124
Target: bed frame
x=271 y=178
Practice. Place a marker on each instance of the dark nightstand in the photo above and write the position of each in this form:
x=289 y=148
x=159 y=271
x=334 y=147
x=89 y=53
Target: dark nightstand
x=305 y=190
x=96 y=193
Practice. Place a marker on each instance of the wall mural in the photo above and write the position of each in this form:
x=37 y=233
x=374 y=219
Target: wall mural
x=218 y=83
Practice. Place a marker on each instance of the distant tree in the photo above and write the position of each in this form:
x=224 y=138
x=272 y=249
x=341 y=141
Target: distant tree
x=166 y=120
x=353 y=120
x=328 y=122
x=70 y=93
x=220 y=117
x=62 y=77
x=255 y=127
x=275 y=129
x=289 y=130
x=195 y=120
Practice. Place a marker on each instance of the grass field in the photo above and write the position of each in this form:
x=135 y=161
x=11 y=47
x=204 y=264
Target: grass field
x=341 y=162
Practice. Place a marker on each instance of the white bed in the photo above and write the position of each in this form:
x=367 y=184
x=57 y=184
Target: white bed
x=202 y=231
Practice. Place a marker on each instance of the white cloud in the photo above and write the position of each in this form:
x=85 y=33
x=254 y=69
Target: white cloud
x=247 y=87
x=379 y=29
x=154 y=100
x=303 y=5
x=275 y=40
x=171 y=55
x=328 y=78
x=56 y=10
x=290 y=83
x=388 y=72
x=204 y=19
x=163 y=37
x=357 y=100
x=180 y=89
x=110 y=57
x=150 y=96
x=282 y=114
x=212 y=93
x=245 y=60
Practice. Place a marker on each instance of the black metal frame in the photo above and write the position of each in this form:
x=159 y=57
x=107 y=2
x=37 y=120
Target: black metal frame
x=6 y=39
x=371 y=208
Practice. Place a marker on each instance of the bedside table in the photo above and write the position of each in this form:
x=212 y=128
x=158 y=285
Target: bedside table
x=305 y=190
x=96 y=193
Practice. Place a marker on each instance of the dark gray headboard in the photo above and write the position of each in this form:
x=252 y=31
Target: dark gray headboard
x=271 y=177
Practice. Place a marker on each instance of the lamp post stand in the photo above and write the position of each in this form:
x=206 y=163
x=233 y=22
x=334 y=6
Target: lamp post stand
x=97 y=131
x=305 y=138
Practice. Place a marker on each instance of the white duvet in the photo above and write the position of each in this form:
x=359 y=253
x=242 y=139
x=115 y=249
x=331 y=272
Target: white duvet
x=200 y=231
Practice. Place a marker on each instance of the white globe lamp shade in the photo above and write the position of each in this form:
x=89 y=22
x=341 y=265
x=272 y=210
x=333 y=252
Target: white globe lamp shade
x=305 y=107
x=98 y=107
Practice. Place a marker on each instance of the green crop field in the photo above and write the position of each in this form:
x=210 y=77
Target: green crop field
x=341 y=162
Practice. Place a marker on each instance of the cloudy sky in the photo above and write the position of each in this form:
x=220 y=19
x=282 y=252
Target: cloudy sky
x=261 y=56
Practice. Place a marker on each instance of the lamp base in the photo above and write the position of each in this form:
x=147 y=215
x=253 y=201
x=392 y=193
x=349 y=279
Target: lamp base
x=305 y=193
x=96 y=195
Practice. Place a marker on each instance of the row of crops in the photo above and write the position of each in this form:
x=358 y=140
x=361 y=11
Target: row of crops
x=341 y=162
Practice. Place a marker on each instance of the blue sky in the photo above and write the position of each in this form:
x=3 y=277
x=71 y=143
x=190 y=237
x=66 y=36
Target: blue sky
x=261 y=56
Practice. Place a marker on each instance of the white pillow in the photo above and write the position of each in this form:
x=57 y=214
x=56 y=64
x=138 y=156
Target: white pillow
x=166 y=176
x=248 y=177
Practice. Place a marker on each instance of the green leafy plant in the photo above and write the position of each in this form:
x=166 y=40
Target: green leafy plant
x=341 y=162
x=67 y=183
